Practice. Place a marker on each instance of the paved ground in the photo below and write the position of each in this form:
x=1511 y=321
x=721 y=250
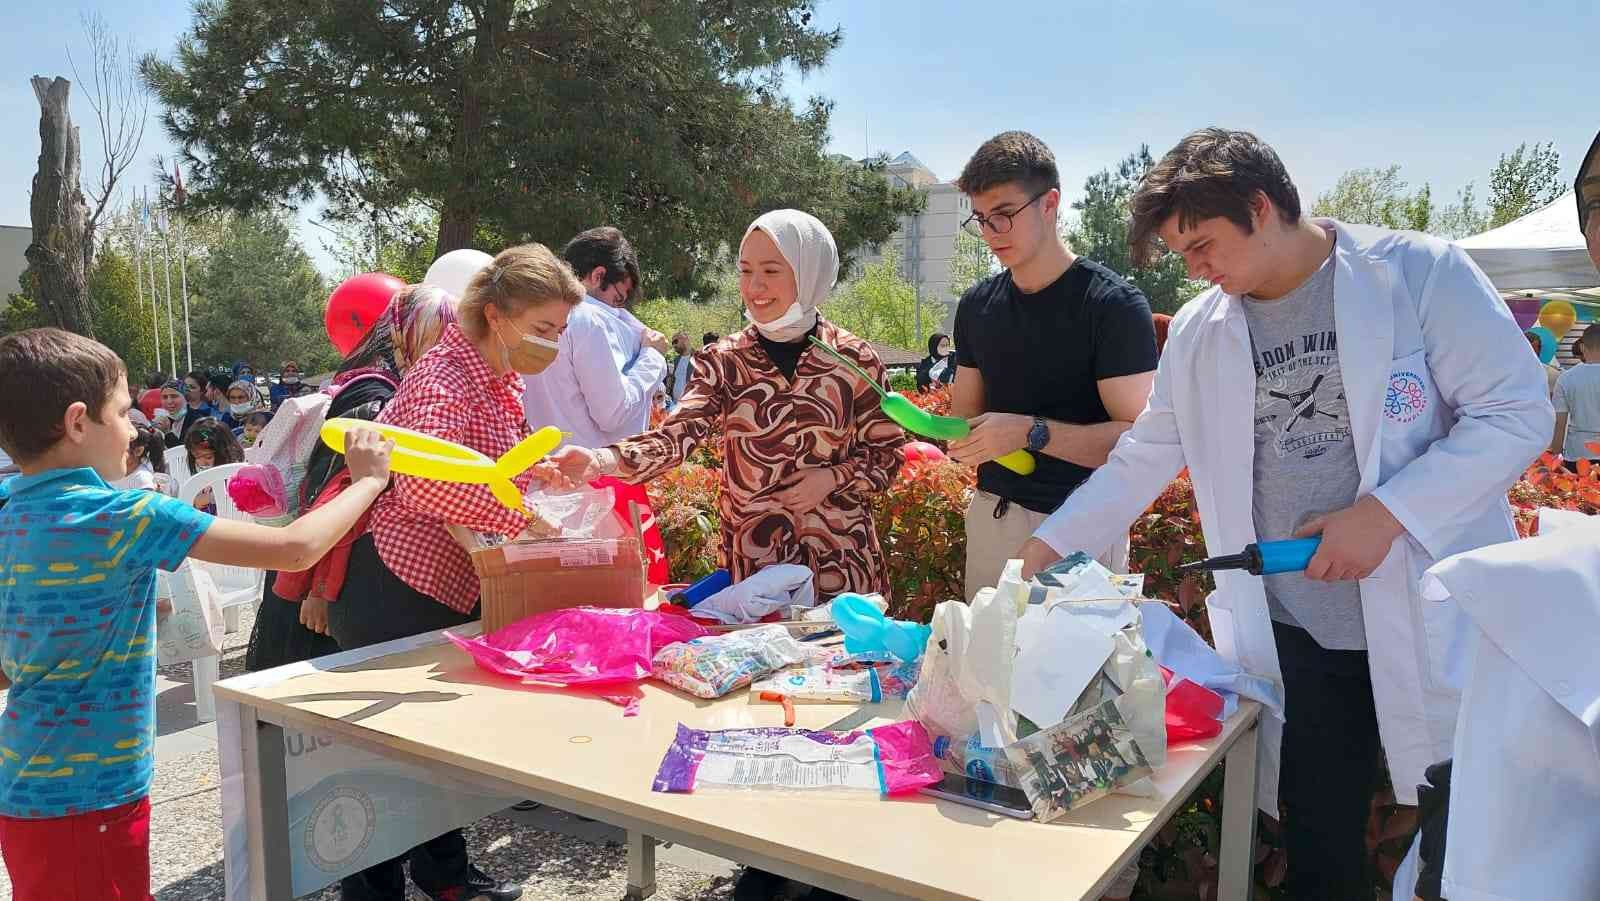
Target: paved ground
x=553 y=854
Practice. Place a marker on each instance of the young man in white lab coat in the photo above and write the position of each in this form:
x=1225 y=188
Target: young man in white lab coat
x=1353 y=382
x=610 y=366
x=1524 y=786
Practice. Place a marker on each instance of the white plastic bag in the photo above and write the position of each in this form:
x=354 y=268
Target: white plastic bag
x=965 y=685
x=194 y=627
x=964 y=694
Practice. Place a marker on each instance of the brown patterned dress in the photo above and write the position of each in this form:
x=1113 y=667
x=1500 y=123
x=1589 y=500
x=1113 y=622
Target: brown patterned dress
x=772 y=428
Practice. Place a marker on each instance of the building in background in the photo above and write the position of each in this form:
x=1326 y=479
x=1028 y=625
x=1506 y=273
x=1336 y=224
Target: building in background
x=926 y=242
x=14 y=240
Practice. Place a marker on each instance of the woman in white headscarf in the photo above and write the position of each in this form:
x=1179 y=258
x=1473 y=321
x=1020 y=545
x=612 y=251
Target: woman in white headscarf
x=805 y=445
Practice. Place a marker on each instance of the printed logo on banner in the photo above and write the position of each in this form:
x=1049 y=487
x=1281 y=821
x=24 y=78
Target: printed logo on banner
x=1407 y=397
x=340 y=828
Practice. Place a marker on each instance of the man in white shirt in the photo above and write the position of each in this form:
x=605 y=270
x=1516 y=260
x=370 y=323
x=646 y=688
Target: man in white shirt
x=601 y=387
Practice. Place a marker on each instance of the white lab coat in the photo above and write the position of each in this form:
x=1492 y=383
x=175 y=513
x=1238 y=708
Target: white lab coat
x=602 y=384
x=1525 y=787
x=1444 y=413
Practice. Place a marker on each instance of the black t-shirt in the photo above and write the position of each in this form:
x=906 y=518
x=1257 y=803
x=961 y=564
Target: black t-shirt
x=1041 y=355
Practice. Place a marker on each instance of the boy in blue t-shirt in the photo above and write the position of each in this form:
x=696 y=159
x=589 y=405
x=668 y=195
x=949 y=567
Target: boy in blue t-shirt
x=78 y=564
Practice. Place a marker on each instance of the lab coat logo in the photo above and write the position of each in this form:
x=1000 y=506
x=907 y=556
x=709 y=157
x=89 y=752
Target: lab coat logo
x=340 y=828
x=1407 y=397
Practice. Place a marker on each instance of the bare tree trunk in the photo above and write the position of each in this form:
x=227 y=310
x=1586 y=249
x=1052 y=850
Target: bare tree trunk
x=59 y=214
x=456 y=225
x=459 y=218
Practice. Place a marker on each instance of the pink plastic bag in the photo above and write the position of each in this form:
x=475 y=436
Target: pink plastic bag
x=906 y=753
x=580 y=646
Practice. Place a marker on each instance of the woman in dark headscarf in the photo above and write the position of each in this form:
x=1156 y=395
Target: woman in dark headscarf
x=939 y=366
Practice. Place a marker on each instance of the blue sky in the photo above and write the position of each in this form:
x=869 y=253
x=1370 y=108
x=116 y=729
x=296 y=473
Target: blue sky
x=1440 y=88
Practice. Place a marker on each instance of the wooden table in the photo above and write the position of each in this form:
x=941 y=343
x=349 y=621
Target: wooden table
x=582 y=755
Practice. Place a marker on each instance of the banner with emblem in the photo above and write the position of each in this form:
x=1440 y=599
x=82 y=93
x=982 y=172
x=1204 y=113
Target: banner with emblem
x=348 y=808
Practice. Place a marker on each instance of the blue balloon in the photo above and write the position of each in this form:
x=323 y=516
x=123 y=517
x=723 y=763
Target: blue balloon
x=866 y=630
x=1547 y=343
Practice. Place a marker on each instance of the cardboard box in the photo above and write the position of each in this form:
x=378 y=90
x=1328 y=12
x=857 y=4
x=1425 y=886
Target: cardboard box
x=528 y=576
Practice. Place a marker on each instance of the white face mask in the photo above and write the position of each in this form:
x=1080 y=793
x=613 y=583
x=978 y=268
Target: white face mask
x=791 y=325
x=290 y=379
x=241 y=409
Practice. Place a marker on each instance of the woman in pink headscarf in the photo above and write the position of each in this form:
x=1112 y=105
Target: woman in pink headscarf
x=293 y=621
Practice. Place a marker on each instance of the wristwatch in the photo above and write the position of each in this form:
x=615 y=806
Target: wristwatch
x=1039 y=435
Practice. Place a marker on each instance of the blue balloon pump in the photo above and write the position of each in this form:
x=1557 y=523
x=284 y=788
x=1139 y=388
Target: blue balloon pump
x=1263 y=558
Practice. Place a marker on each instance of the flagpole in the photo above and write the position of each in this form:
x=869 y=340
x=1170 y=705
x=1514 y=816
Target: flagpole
x=183 y=279
x=138 y=275
x=166 y=270
x=183 y=267
x=155 y=294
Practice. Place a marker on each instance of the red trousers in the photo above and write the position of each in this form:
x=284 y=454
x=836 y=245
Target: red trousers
x=98 y=856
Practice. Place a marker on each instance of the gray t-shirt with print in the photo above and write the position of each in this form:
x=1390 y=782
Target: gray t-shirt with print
x=1305 y=460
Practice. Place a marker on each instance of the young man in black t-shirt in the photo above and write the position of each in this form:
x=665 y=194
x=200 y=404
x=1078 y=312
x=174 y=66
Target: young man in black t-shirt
x=1056 y=354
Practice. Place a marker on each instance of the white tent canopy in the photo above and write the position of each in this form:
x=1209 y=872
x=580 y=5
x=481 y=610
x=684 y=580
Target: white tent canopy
x=1543 y=249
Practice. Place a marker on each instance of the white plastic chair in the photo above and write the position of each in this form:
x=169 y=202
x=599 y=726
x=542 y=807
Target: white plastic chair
x=239 y=585
x=178 y=465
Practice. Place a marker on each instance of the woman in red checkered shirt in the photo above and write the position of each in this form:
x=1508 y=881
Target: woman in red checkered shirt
x=409 y=575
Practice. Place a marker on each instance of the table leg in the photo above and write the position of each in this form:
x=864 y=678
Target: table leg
x=1236 y=866
x=266 y=807
x=641 y=866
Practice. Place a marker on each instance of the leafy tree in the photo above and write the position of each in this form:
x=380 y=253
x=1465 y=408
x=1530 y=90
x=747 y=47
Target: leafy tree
x=400 y=247
x=718 y=309
x=1523 y=181
x=536 y=120
x=121 y=322
x=670 y=315
x=1460 y=219
x=1377 y=197
x=1100 y=232
x=881 y=306
x=971 y=264
x=260 y=299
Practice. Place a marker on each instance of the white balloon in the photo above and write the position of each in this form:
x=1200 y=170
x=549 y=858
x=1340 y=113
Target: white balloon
x=455 y=269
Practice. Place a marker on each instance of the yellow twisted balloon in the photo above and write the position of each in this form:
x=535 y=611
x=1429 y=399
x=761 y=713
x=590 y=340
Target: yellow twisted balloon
x=427 y=457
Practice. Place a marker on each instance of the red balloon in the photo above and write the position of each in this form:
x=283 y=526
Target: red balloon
x=355 y=305
x=922 y=451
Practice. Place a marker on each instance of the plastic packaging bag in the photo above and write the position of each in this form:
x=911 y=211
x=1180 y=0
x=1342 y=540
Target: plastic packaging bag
x=714 y=665
x=584 y=513
x=820 y=682
x=580 y=645
x=889 y=760
x=194 y=627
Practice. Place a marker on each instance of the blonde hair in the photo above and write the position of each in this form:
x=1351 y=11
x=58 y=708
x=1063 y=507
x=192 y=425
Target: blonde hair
x=518 y=278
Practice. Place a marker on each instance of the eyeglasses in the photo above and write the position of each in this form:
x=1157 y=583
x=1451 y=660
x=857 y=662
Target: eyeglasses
x=999 y=223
